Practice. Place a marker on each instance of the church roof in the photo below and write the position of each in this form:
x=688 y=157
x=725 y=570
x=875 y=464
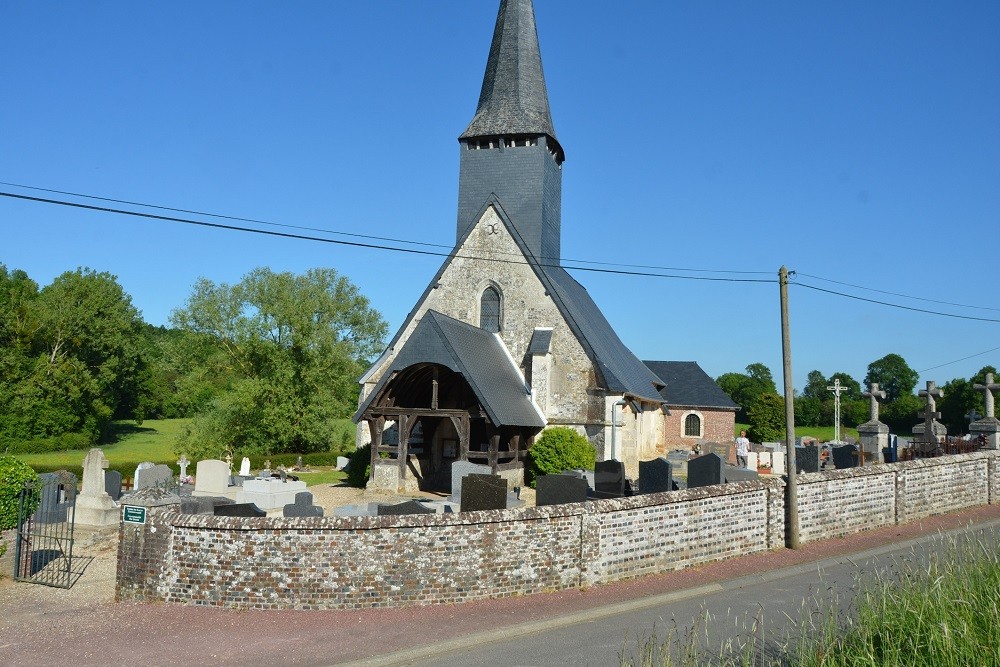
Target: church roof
x=479 y=356
x=514 y=99
x=688 y=385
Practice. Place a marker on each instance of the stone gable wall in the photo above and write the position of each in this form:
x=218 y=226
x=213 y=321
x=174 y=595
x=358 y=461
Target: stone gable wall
x=362 y=562
x=717 y=426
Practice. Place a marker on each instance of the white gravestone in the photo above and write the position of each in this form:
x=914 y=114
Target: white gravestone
x=94 y=506
x=245 y=467
x=211 y=478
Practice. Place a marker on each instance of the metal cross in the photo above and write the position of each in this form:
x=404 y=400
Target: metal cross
x=837 y=389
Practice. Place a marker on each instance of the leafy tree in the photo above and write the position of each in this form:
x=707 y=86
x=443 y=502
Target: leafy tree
x=901 y=414
x=893 y=376
x=745 y=388
x=767 y=418
x=816 y=384
x=808 y=411
x=294 y=345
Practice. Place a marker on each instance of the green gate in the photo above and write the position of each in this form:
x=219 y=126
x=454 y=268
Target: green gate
x=44 y=549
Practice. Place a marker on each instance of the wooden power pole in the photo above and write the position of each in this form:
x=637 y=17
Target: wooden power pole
x=786 y=362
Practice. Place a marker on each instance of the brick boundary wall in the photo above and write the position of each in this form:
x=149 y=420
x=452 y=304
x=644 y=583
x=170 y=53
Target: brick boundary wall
x=364 y=562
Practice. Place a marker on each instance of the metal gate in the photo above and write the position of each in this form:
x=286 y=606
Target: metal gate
x=46 y=511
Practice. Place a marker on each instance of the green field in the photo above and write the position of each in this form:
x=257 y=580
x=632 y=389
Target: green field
x=822 y=433
x=153 y=441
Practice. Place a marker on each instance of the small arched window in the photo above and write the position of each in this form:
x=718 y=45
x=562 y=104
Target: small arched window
x=489 y=310
x=692 y=426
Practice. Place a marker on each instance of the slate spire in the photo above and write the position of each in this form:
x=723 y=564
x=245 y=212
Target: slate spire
x=514 y=100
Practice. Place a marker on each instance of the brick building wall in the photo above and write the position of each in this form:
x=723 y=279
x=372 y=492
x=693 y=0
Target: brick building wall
x=359 y=562
x=716 y=426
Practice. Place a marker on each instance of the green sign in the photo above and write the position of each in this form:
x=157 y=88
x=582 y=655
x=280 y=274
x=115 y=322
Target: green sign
x=134 y=514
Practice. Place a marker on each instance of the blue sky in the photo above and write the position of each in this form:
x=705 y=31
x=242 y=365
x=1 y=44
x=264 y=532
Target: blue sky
x=851 y=141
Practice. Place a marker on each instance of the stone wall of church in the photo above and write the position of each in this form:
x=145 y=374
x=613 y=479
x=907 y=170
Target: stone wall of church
x=716 y=426
x=489 y=256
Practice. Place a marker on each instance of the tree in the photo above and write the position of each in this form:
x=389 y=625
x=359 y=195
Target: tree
x=295 y=345
x=893 y=376
x=816 y=384
x=745 y=388
x=767 y=418
x=807 y=411
x=960 y=397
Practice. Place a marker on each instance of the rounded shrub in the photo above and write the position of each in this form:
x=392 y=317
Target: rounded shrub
x=557 y=450
x=13 y=475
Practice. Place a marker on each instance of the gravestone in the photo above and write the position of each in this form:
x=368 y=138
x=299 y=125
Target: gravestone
x=58 y=489
x=483 y=492
x=245 y=467
x=303 y=506
x=807 y=459
x=560 y=489
x=343 y=462
x=988 y=427
x=587 y=475
x=656 y=476
x=705 y=470
x=113 y=484
x=271 y=493
x=239 y=509
x=609 y=479
x=460 y=469
x=737 y=474
x=400 y=509
x=211 y=478
x=202 y=504
x=873 y=435
x=778 y=463
x=152 y=477
x=845 y=456
x=679 y=461
x=182 y=464
x=137 y=475
x=727 y=452
x=94 y=507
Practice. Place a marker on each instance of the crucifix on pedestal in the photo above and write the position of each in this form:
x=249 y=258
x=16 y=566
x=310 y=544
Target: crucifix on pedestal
x=987 y=427
x=874 y=395
x=837 y=389
x=988 y=390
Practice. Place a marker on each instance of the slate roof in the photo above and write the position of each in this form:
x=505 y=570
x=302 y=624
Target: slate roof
x=688 y=385
x=479 y=356
x=514 y=99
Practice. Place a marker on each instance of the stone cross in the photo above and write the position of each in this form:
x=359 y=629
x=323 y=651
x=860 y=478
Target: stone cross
x=837 y=390
x=930 y=412
x=988 y=390
x=874 y=395
x=183 y=463
x=229 y=460
x=972 y=415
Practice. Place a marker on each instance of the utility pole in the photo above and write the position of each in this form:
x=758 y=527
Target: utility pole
x=792 y=496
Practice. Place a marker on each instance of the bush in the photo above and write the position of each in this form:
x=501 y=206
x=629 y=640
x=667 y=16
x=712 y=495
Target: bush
x=360 y=467
x=559 y=449
x=13 y=475
x=55 y=443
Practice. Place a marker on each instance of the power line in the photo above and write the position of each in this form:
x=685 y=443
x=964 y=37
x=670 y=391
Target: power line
x=356 y=244
x=355 y=235
x=905 y=296
x=949 y=363
x=896 y=305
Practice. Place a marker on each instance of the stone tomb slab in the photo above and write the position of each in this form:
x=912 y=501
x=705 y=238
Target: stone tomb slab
x=656 y=476
x=303 y=506
x=402 y=509
x=705 y=470
x=845 y=456
x=560 y=489
x=737 y=474
x=247 y=510
x=113 y=484
x=203 y=504
x=211 y=478
x=807 y=459
x=483 y=492
x=460 y=469
x=269 y=494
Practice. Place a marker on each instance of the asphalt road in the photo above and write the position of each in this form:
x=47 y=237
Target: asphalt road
x=768 y=606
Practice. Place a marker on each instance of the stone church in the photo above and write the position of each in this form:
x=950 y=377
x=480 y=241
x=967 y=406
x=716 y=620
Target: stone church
x=503 y=341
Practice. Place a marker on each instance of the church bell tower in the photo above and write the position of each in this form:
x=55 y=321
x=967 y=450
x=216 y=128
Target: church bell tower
x=510 y=150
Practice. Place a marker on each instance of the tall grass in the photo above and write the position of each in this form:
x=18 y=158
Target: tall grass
x=940 y=611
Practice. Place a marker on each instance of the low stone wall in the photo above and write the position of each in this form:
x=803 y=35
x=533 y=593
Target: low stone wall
x=360 y=562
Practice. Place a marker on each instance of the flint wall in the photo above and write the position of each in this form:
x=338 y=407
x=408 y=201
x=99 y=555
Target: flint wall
x=361 y=562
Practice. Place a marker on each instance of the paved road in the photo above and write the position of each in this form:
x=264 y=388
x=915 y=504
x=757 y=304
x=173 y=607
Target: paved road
x=769 y=604
x=84 y=627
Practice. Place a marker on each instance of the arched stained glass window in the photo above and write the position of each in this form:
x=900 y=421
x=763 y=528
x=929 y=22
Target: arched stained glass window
x=692 y=426
x=489 y=310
